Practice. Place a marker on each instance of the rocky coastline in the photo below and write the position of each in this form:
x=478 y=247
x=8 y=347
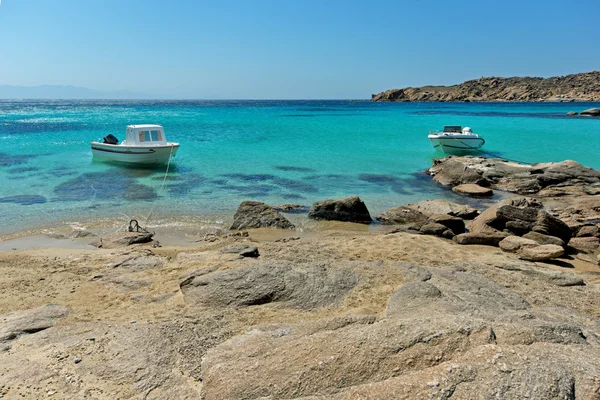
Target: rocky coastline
x=574 y=87
x=445 y=300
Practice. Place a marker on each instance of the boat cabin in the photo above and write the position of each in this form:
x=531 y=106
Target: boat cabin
x=144 y=135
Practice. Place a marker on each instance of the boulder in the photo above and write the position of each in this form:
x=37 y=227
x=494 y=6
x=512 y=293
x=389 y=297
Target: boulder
x=584 y=244
x=122 y=239
x=455 y=224
x=254 y=214
x=594 y=112
x=433 y=228
x=513 y=244
x=349 y=209
x=494 y=218
x=448 y=172
x=544 y=239
x=483 y=238
x=401 y=215
x=440 y=206
x=550 y=225
x=587 y=231
x=572 y=113
x=518 y=227
x=540 y=253
x=473 y=190
x=303 y=286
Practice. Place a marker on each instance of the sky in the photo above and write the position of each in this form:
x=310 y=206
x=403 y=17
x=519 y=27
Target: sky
x=290 y=49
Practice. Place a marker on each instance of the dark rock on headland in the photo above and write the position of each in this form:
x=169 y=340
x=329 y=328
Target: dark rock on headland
x=349 y=209
x=594 y=112
x=575 y=87
x=254 y=214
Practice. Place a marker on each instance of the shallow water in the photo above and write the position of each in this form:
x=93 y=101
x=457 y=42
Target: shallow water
x=271 y=151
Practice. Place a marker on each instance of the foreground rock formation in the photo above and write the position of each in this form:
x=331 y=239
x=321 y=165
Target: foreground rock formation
x=331 y=315
x=575 y=87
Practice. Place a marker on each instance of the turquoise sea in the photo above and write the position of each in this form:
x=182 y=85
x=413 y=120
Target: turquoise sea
x=272 y=151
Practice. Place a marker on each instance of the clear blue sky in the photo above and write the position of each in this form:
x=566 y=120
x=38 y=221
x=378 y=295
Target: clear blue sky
x=290 y=49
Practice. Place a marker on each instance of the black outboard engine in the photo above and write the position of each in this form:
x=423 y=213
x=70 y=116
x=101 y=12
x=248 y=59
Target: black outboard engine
x=110 y=139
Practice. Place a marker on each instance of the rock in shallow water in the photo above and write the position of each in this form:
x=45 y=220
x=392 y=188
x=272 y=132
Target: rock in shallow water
x=473 y=190
x=254 y=214
x=348 y=209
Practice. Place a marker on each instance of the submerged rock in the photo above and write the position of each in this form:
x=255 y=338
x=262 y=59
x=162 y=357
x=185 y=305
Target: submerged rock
x=473 y=190
x=24 y=199
x=349 y=209
x=254 y=214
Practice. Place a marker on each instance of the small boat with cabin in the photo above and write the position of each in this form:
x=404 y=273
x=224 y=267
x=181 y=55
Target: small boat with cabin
x=143 y=144
x=456 y=140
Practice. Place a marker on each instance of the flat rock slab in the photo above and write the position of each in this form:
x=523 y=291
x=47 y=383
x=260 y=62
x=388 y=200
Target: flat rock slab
x=540 y=253
x=544 y=239
x=17 y=323
x=401 y=215
x=241 y=249
x=136 y=261
x=254 y=215
x=483 y=238
x=585 y=244
x=300 y=286
x=473 y=190
x=122 y=239
x=349 y=209
x=512 y=244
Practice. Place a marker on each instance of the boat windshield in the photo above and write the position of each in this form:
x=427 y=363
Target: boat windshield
x=453 y=129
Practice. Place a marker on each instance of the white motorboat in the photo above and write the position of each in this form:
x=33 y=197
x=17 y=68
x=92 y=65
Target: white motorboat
x=143 y=144
x=456 y=140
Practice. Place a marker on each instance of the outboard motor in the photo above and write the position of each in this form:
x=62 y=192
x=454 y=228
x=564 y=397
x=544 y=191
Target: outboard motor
x=110 y=139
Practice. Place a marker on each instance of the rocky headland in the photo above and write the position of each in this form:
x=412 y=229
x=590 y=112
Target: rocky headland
x=442 y=300
x=575 y=87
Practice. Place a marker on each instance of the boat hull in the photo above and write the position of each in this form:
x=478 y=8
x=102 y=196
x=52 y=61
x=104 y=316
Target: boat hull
x=134 y=154
x=456 y=145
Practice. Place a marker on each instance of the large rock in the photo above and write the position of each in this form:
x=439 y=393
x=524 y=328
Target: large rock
x=544 y=239
x=521 y=210
x=550 y=225
x=18 y=323
x=301 y=286
x=555 y=178
x=513 y=244
x=433 y=228
x=448 y=172
x=594 y=112
x=483 y=238
x=440 y=206
x=540 y=253
x=350 y=209
x=455 y=224
x=584 y=244
x=401 y=215
x=254 y=214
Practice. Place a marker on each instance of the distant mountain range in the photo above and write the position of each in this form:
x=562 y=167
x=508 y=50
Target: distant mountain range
x=63 y=92
x=575 y=87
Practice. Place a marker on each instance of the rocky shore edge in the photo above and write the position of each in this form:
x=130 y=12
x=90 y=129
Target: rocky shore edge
x=574 y=87
x=446 y=300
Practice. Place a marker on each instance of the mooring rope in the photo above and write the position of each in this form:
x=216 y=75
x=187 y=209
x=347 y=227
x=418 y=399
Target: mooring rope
x=161 y=186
